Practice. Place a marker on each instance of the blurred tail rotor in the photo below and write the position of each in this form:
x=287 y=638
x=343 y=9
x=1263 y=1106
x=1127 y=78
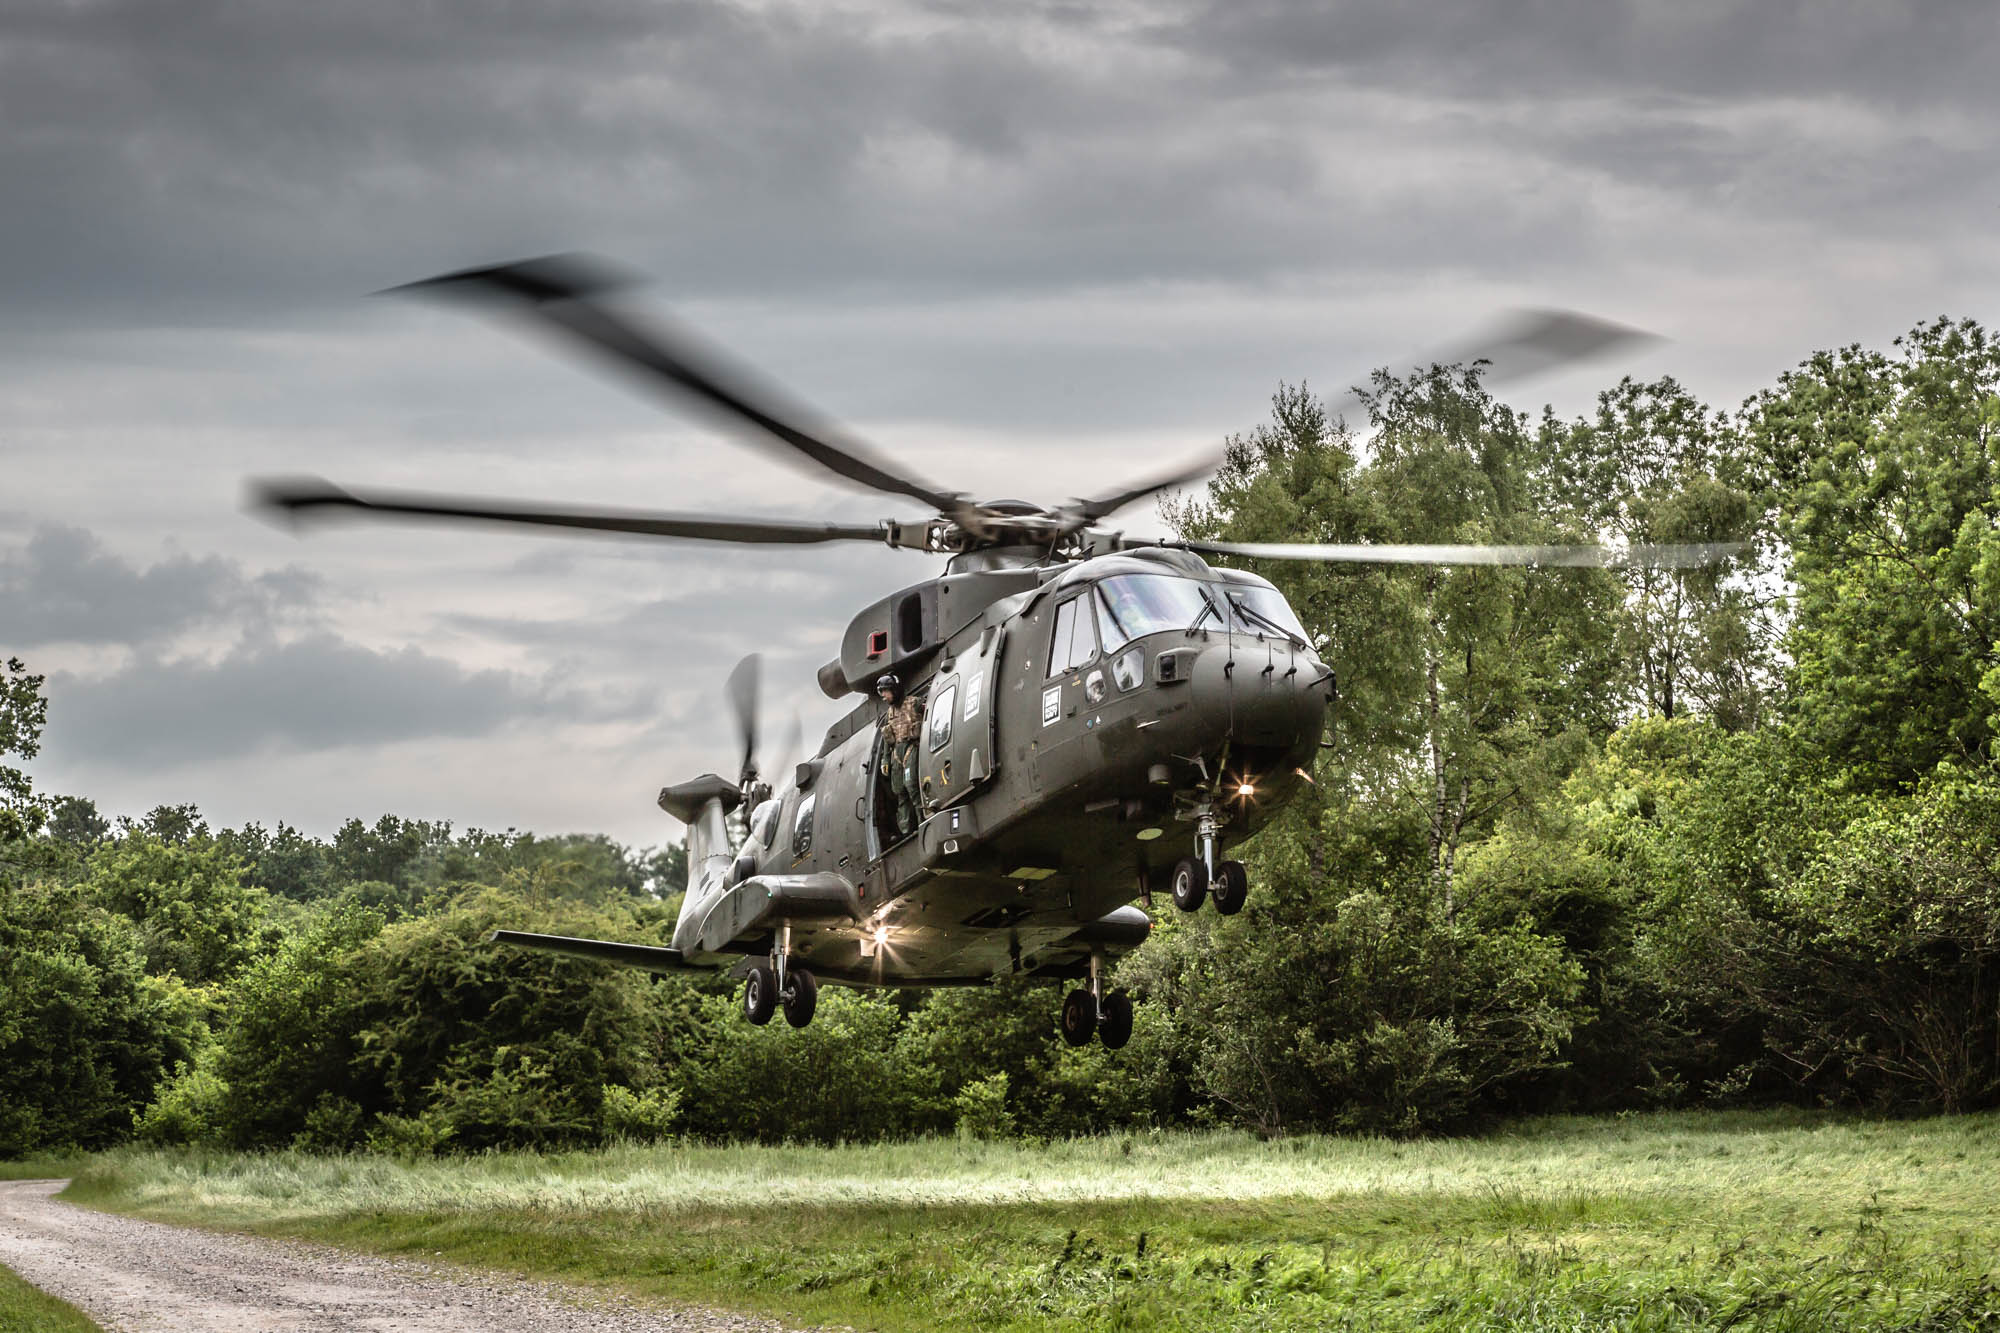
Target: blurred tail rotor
x=742 y=689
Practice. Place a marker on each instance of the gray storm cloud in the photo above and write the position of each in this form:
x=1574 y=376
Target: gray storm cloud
x=63 y=586
x=1028 y=249
x=313 y=694
x=229 y=160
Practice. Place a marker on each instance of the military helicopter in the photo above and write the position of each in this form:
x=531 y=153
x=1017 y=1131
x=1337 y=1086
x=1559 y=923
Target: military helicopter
x=1087 y=719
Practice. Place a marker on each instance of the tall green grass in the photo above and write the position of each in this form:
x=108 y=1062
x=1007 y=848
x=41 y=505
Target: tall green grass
x=1661 y=1222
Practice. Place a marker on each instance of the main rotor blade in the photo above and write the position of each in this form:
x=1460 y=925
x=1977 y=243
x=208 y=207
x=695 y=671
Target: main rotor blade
x=302 y=498
x=561 y=291
x=1685 y=556
x=1527 y=343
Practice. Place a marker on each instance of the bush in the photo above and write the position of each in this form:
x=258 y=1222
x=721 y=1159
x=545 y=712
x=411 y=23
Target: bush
x=333 y=1125
x=639 y=1117
x=188 y=1108
x=1358 y=1000
x=832 y=1081
x=981 y=1107
x=294 y=1032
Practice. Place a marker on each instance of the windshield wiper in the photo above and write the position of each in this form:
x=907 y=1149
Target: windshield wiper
x=1208 y=608
x=1249 y=612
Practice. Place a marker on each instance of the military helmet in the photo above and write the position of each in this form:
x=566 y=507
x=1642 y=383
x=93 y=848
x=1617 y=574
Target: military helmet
x=887 y=681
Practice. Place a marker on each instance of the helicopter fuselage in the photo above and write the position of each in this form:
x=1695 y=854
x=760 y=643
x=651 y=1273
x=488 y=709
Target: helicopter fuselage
x=1078 y=734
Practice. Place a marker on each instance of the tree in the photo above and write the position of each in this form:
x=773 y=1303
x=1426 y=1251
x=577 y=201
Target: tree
x=1359 y=990
x=1654 y=466
x=1465 y=689
x=281 y=861
x=1882 y=474
x=85 y=1035
x=196 y=916
x=75 y=820
x=23 y=713
x=293 y=1032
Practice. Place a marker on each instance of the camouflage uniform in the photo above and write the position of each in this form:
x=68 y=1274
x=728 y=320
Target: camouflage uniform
x=902 y=723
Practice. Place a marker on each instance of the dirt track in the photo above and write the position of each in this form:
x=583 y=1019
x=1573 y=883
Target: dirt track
x=142 y=1277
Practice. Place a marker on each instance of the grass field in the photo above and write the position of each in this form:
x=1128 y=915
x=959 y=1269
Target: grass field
x=23 y=1309
x=1660 y=1222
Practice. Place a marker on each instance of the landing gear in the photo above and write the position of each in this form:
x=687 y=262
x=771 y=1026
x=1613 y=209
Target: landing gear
x=801 y=997
x=1189 y=884
x=760 y=993
x=1114 y=1020
x=773 y=983
x=1088 y=1011
x=1202 y=875
x=1230 y=888
x=1079 y=1017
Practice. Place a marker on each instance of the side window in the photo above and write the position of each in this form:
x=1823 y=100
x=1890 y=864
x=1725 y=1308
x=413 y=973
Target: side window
x=764 y=824
x=1059 y=640
x=802 y=826
x=943 y=704
x=1083 y=643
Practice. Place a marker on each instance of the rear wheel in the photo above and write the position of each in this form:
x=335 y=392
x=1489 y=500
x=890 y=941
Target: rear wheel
x=1114 y=1024
x=1231 y=887
x=802 y=998
x=1079 y=1017
x=1189 y=884
x=760 y=993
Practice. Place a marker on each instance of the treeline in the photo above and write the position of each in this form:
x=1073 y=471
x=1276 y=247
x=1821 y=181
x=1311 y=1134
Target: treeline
x=1656 y=835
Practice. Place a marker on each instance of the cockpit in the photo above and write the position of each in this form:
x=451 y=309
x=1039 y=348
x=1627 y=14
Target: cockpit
x=1130 y=606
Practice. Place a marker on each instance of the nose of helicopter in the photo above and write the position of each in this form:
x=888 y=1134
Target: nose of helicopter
x=1270 y=696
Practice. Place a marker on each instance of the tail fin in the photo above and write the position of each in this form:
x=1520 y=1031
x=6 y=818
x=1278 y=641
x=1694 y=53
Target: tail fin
x=704 y=806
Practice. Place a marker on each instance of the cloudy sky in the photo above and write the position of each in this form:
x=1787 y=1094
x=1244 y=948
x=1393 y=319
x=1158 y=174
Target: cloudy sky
x=1030 y=249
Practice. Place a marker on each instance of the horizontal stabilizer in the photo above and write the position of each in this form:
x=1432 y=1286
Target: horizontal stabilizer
x=761 y=900
x=650 y=957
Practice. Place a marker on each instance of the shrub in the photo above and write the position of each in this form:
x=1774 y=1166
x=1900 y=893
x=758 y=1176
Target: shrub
x=188 y=1108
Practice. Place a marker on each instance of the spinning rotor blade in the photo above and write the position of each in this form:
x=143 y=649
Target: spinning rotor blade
x=299 y=498
x=1558 y=557
x=793 y=746
x=1526 y=344
x=562 y=291
x=742 y=689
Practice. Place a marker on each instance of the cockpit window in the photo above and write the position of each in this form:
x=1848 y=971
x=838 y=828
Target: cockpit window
x=802 y=826
x=1256 y=610
x=1131 y=605
x=764 y=823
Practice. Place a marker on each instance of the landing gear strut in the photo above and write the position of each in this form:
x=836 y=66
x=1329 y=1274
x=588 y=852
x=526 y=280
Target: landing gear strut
x=1088 y=1010
x=1202 y=876
x=776 y=983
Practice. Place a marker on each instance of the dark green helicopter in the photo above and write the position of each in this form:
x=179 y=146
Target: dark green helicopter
x=1081 y=719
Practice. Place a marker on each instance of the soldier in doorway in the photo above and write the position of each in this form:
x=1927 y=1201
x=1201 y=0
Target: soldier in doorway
x=902 y=721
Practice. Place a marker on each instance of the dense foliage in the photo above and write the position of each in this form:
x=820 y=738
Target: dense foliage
x=1588 y=839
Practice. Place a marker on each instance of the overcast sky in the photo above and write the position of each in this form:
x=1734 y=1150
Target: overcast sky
x=1029 y=249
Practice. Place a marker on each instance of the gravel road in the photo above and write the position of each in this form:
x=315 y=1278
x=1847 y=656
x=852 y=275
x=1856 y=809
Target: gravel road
x=143 y=1277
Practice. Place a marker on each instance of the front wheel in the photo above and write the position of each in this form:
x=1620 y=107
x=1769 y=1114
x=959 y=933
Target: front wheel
x=760 y=994
x=1190 y=884
x=1231 y=887
x=1079 y=1017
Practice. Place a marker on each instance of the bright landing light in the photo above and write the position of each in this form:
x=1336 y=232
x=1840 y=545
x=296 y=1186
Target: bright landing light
x=881 y=936
x=1245 y=789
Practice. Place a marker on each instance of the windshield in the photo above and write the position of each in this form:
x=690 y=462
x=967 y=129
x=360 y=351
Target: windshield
x=1263 y=611
x=1131 y=605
